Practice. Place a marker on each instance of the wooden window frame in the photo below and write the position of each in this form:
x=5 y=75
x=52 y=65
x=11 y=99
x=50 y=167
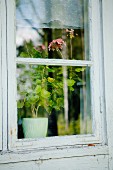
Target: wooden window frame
x=0 y=81
x=99 y=136
x=3 y=79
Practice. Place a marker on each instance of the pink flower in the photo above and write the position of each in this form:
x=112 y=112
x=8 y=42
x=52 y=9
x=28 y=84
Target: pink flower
x=70 y=33
x=40 y=48
x=56 y=44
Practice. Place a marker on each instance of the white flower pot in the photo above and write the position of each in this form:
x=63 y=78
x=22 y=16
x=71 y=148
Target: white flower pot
x=35 y=127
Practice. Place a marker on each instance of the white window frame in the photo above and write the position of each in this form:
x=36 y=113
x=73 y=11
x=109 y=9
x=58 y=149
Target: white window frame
x=3 y=79
x=0 y=83
x=99 y=136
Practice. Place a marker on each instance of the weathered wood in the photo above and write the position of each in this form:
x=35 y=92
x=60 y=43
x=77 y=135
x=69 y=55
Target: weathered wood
x=80 y=156
x=95 y=83
x=108 y=64
x=79 y=163
x=0 y=80
x=11 y=67
x=53 y=153
x=4 y=75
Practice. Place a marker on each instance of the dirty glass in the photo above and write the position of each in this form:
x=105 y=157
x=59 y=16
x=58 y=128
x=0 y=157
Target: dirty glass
x=38 y=23
x=59 y=93
x=56 y=30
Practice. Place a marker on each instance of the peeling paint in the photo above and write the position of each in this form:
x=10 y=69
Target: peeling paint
x=11 y=132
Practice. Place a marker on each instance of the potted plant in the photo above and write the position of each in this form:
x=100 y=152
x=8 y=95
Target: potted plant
x=32 y=95
x=40 y=89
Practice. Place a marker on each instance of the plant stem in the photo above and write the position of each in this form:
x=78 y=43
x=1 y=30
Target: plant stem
x=33 y=110
x=65 y=88
x=37 y=111
x=28 y=51
x=71 y=48
x=60 y=53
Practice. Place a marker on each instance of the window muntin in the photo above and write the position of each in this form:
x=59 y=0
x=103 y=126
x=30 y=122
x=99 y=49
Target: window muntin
x=37 y=27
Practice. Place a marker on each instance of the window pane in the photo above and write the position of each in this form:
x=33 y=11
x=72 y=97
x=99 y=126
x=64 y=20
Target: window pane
x=59 y=93
x=44 y=22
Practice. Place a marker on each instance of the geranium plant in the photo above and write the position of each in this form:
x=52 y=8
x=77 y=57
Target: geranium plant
x=40 y=88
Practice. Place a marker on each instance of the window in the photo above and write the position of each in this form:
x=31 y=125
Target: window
x=56 y=72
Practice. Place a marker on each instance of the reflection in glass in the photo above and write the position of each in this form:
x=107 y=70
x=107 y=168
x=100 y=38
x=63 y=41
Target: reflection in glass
x=58 y=92
x=44 y=21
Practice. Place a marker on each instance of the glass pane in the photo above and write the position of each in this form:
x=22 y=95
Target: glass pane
x=44 y=31
x=59 y=93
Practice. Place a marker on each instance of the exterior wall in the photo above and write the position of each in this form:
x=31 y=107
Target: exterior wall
x=74 y=163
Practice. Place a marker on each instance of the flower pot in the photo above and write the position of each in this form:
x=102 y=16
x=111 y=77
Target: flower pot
x=35 y=127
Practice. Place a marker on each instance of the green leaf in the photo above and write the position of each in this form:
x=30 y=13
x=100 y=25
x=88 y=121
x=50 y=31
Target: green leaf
x=80 y=69
x=24 y=54
x=38 y=81
x=60 y=102
x=50 y=80
x=23 y=93
x=36 y=53
x=60 y=84
x=27 y=104
x=34 y=99
x=70 y=82
x=45 y=93
x=20 y=104
x=38 y=89
x=50 y=69
x=51 y=103
x=71 y=88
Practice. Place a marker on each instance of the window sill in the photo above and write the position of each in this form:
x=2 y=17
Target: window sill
x=53 y=153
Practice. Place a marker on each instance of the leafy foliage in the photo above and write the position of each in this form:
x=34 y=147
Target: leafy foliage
x=41 y=88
